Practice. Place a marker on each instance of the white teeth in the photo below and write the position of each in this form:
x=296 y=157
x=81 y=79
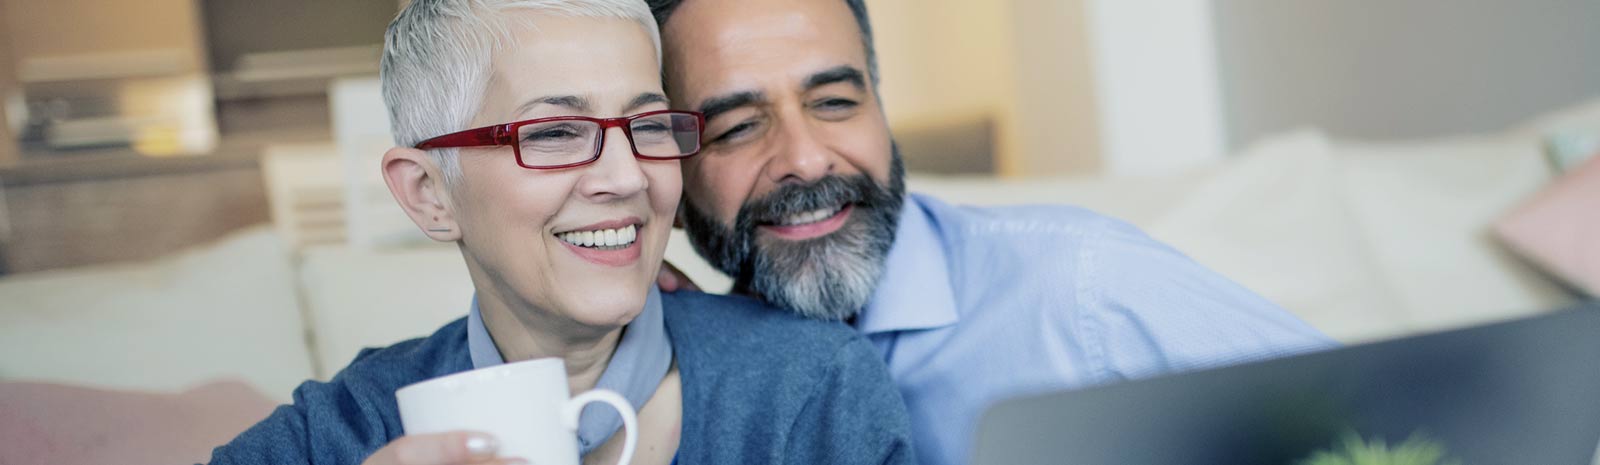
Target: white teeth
x=809 y=217
x=623 y=236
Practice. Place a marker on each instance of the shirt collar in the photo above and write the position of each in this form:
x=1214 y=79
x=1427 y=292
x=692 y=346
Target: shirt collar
x=914 y=292
x=638 y=365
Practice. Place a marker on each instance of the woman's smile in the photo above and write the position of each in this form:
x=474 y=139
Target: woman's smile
x=610 y=243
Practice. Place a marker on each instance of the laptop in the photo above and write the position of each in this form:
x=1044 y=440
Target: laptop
x=1521 y=392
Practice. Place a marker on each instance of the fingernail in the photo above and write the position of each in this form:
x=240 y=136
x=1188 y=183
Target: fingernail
x=481 y=446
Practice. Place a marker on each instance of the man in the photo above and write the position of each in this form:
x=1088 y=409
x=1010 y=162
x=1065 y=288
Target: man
x=798 y=194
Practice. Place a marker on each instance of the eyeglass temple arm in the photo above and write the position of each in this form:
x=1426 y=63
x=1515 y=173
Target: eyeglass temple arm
x=490 y=135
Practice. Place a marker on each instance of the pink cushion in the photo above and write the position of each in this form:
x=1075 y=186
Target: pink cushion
x=1559 y=228
x=67 y=425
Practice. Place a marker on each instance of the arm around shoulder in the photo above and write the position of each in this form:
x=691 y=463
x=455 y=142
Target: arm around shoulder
x=854 y=415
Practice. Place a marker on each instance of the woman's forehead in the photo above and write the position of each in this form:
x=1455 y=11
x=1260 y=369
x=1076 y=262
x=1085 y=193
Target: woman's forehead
x=603 y=63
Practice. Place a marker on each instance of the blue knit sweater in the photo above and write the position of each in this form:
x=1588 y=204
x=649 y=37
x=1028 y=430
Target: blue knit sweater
x=760 y=386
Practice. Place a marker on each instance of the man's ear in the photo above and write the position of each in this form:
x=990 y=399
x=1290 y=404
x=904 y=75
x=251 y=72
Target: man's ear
x=417 y=185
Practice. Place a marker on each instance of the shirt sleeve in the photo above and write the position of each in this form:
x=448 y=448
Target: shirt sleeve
x=1154 y=310
x=854 y=415
x=324 y=426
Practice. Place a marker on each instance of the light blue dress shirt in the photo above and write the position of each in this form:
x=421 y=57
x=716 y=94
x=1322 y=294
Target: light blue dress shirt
x=641 y=360
x=980 y=304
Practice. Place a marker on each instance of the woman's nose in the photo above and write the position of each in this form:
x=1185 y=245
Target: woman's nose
x=617 y=173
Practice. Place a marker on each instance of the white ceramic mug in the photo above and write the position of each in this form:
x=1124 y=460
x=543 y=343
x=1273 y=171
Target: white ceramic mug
x=525 y=405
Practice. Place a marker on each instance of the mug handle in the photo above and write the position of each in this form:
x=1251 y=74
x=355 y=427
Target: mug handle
x=630 y=422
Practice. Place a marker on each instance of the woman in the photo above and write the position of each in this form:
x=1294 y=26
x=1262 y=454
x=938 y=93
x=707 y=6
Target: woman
x=561 y=201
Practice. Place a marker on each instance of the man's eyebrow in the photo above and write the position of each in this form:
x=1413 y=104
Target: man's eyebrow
x=576 y=103
x=718 y=105
x=842 y=73
x=644 y=99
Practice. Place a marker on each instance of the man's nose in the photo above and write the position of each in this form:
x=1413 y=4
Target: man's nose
x=617 y=173
x=802 y=155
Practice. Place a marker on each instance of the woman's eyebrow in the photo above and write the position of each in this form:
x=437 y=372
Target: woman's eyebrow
x=644 y=99
x=575 y=103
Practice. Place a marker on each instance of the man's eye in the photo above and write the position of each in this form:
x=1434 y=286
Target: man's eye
x=734 y=132
x=836 y=104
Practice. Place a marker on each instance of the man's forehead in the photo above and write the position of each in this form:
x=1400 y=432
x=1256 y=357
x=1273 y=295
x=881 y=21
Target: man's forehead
x=735 y=21
x=714 y=42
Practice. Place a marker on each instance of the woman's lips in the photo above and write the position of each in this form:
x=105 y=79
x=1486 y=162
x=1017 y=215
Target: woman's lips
x=623 y=256
x=610 y=243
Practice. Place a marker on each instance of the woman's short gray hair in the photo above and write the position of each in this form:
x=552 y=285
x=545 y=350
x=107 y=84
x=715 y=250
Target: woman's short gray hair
x=436 y=59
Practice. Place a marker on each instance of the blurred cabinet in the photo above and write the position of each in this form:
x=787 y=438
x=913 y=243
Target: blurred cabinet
x=253 y=56
x=8 y=145
x=98 y=74
x=62 y=218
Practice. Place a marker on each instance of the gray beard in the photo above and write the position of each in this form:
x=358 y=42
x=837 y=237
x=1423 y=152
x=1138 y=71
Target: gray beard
x=828 y=278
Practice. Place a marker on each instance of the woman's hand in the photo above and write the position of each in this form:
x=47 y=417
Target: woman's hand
x=452 y=448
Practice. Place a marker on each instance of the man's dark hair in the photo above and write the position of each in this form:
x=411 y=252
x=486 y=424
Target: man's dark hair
x=663 y=9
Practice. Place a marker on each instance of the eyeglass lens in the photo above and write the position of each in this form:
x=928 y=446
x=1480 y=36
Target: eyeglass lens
x=555 y=143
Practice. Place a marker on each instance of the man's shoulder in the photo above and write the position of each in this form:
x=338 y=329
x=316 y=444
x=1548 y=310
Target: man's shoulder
x=1030 y=237
x=1019 y=220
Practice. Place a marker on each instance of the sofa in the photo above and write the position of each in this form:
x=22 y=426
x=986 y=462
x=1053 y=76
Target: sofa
x=1364 y=240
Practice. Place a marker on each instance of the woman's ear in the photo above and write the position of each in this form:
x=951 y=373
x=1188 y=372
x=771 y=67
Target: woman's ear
x=417 y=185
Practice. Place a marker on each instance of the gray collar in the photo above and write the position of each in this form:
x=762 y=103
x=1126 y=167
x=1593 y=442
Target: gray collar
x=640 y=362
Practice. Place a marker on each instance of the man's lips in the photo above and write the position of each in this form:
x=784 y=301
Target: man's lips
x=811 y=229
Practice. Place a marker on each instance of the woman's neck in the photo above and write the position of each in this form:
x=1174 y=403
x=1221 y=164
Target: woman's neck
x=530 y=333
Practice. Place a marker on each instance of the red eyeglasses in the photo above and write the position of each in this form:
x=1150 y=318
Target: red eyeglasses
x=569 y=141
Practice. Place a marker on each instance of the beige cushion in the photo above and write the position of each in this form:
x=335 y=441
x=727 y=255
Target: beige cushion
x=1275 y=221
x=222 y=310
x=358 y=297
x=1425 y=209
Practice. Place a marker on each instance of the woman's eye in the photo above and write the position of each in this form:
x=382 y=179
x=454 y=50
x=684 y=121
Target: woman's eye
x=652 y=128
x=552 y=134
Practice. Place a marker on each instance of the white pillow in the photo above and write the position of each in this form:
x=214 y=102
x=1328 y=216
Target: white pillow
x=222 y=310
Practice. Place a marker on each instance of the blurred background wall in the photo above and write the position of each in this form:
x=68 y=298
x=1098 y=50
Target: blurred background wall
x=135 y=128
x=1150 y=86
x=1398 y=69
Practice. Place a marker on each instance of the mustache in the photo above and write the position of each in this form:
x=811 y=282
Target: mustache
x=828 y=192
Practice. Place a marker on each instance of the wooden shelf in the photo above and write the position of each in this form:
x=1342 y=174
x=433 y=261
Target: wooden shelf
x=232 y=152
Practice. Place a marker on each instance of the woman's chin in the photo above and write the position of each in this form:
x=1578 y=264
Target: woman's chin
x=607 y=316
x=605 y=306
